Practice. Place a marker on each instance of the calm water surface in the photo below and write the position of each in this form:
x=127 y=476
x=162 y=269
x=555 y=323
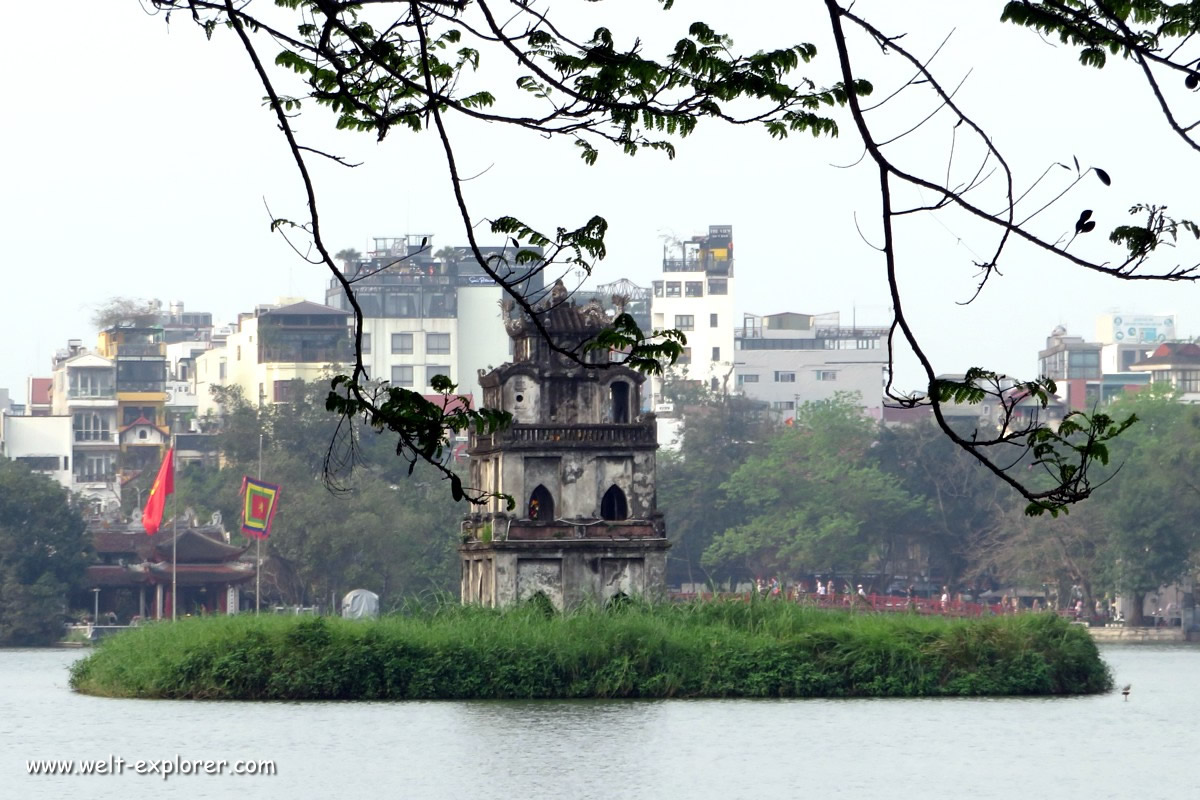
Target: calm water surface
x=1094 y=747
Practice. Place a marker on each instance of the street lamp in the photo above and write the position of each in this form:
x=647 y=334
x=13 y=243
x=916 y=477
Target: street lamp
x=96 y=606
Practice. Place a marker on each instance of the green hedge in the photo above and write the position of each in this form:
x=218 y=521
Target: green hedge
x=714 y=649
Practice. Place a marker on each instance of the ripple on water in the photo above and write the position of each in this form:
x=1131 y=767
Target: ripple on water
x=979 y=749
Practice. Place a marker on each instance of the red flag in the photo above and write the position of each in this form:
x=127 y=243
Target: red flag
x=164 y=484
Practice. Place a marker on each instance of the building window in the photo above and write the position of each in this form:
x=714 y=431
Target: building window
x=221 y=371
x=402 y=344
x=693 y=289
x=402 y=375
x=619 y=392
x=658 y=288
x=826 y=375
x=541 y=504
x=366 y=346
x=784 y=405
x=613 y=505
x=785 y=377
x=92 y=427
x=685 y=357
x=1188 y=381
x=239 y=352
x=747 y=379
x=685 y=322
x=285 y=391
x=673 y=288
x=718 y=286
x=716 y=354
x=712 y=320
x=437 y=344
x=435 y=369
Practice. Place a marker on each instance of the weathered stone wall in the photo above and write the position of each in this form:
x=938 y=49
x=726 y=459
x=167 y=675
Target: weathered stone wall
x=567 y=573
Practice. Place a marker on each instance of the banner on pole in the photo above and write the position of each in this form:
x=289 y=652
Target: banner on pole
x=259 y=503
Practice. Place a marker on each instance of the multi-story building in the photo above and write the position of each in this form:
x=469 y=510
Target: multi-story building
x=85 y=390
x=1176 y=364
x=272 y=348
x=42 y=443
x=141 y=384
x=1071 y=363
x=185 y=326
x=424 y=316
x=695 y=296
x=789 y=359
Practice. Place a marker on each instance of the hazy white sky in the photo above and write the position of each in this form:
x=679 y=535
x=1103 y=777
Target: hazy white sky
x=137 y=157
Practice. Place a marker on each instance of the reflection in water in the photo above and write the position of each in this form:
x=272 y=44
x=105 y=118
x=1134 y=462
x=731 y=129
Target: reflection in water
x=1091 y=747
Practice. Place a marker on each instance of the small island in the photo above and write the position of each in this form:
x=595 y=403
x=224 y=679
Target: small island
x=633 y=650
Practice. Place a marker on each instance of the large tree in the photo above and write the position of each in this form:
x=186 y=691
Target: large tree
x=43 y=553
x=718 y=435
x=814 y=499
x=335 y=529
x=1149 y=536
x=427 y=65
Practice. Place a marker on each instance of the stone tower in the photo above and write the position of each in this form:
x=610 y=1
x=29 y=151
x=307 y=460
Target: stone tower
x=579 y=460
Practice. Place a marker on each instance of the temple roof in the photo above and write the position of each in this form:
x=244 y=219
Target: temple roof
x=200 y=574
x=196 y=546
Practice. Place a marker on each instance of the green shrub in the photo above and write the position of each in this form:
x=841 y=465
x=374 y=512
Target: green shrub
x=714 y=649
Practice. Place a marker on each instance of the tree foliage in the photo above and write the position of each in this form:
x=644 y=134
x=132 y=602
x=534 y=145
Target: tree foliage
x=381 y=531
x=43 y=554
x=719 y=434
x=814 y=498
x=127 y=310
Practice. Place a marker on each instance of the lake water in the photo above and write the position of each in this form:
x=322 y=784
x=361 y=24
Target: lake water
x=1090 y=747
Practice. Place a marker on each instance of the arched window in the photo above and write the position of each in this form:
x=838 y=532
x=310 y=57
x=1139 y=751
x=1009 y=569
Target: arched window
x=620 y=401
x=541 y=504
x=613 y=506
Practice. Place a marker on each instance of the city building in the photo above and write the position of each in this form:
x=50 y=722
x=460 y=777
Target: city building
x=695 y=296
x=579 y=462
x=790 y=359
x=141 y=383
x=272 y=348
x=84 y=389
x=1071 y=363
x=1176 y=364
x=42 y=443
x=427 y=315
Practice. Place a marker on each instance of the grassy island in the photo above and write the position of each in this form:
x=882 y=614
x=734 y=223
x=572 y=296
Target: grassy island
x=714 y=649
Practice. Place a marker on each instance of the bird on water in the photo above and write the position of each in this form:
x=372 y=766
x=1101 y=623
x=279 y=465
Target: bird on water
x=1125 y=690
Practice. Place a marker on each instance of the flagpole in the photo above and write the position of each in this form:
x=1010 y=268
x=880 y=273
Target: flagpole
x=258 y=545
x=175 y=530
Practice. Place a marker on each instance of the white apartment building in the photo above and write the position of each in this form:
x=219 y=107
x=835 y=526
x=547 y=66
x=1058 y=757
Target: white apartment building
x=41 y=443
x=427 y=315
x=272 y=348
x=695 y=295
x=790 y=359
x=84 y=389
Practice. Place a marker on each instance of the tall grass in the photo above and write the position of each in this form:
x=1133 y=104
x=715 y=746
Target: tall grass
x=713 y=649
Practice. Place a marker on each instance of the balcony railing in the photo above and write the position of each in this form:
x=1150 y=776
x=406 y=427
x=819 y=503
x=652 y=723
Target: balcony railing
x=140 y=349
x=639 y=433
x=95 y=477
x=103 y=393
x=142 y=386
x=95 y=436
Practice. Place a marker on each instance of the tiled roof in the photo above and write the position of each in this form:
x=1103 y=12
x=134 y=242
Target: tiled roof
x=307 y=307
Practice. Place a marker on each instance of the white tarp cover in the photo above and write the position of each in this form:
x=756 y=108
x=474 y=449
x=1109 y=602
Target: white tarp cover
x=360 y=604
